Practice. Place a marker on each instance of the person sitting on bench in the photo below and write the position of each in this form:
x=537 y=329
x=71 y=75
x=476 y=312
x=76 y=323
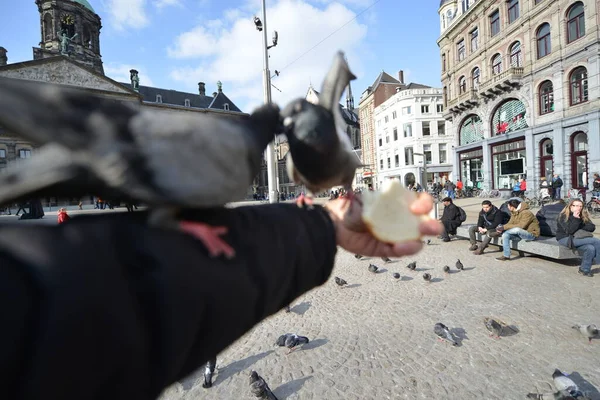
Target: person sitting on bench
x=489 y=218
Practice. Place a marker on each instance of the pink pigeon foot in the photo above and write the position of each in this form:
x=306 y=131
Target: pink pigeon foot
x=304 y=200
x=209 y=236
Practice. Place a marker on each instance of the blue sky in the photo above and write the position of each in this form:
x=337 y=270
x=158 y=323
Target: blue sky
x=177 y=43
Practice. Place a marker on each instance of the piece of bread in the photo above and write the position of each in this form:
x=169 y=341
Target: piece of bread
x=387 y=213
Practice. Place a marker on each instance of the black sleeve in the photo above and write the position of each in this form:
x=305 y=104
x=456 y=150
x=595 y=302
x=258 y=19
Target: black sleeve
x=498 y=219
x=106 y=306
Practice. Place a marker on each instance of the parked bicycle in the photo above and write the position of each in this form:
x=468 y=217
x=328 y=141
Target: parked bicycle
x=593 y=206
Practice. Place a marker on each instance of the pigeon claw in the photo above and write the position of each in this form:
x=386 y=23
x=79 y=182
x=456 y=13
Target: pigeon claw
x=206 y=385
x=209 y=236
x=304 y=201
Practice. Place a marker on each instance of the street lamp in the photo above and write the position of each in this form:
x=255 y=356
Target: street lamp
x=272 y=172
x=424 y=184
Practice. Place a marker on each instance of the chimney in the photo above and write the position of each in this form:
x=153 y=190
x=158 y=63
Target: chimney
x=3 y=58
x=214 y=94
x=202 y=88
x=401 y=76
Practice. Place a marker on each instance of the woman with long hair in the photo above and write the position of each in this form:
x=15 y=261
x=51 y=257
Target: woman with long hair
x=574 y=230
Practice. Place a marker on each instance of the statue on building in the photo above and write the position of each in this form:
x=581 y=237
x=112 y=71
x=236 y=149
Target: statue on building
x=219 y=86
x=65 y=41
x=135 y=79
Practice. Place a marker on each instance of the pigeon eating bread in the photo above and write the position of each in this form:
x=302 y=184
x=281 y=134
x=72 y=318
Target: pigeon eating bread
x=386 y=213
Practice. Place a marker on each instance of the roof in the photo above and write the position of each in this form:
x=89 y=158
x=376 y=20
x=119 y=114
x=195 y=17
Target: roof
x=85 y=4
x=177 y=98
x=442 y=2
x=384 y=77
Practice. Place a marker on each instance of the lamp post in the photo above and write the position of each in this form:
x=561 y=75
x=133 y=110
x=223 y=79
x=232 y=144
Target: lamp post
x=272 y=167
x=424 y=184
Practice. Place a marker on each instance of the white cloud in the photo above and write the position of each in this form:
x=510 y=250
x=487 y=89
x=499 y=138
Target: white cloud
x=232 y=52
x=120 y=73
x=127 y=13
x=167 y=3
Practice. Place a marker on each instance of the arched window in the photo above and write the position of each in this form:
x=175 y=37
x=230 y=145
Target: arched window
x=48 y=31
x=475 y=74
x=87 y=37
x=496 y=64
x=578 y=86
x=226 y=106
x=462 y=85
x=158 y=98
x=516 y=57
x=546 y=97
x=186 y=102
x=546 y=151
x=575 y=22
x=579 y=162
x=509 y=117
x=543 y=40
x=471 y=130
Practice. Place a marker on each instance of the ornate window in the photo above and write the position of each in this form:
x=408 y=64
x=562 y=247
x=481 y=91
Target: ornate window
x=509 y=117
x=516 y=57
x=471 y=130
x=474 y=40
x=546 y=97
x=495 y=23
x=475 y=75
x=460 y=50
x=579 y=161
x=576 y=22
x=496 y=64
x=578 y=86
x=546 y=151
x=544 y=46
x=513 y=10
x=462 y=85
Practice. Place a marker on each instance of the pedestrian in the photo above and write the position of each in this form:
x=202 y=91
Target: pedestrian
x=63 y=216
x=112 y=307
x=557 y=184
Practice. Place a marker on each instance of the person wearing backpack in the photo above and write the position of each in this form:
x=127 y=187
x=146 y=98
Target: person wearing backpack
x=490 y=217
x=451 y=218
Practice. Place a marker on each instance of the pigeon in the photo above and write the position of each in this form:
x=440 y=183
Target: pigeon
x=96 y=145
x=340 y=281
x=358 y=256
x=560 y=395
x=396 y=275
x=446 y=269
x=566 y=384
x=281 y=339
x=386 y=260
x=427 y=277
x=208 y=372
x=412 y=265
x=321 y=155
x=373 y=268
x=444 y=333
x=494 y=326
x=293 y=341
x=428 y=241
x=589 y=331
x=288 y=309
x=260 y=388
x=459 y=265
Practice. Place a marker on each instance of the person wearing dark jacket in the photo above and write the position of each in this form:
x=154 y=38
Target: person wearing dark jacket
x=489 y=218
x=574 y=230
x=109 y=307
x=450 y=219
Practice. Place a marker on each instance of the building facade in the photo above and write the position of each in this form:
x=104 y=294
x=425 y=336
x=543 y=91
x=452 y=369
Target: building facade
x=520 y=85
x=411 y=137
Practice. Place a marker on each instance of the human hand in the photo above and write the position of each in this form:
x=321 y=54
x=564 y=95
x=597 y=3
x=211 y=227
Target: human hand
x=352 y=234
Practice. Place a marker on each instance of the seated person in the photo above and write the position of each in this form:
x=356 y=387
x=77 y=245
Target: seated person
x=450 y=219
x=522 y=225
x=574 y=230
x=516 y=192
x=489 y=218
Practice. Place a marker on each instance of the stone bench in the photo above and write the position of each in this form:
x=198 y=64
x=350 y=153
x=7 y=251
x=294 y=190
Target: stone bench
x=542 y=246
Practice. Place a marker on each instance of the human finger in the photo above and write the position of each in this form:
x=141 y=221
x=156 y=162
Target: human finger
x=423 y=204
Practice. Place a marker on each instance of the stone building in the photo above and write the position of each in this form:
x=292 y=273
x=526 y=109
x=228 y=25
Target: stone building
x=521 y=89
x=410 y=136
x=69 y=54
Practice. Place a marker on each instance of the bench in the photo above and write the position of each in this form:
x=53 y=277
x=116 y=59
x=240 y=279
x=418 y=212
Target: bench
x=546 y=246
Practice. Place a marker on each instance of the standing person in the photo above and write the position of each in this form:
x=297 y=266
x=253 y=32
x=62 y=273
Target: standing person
x=574 y=230
x=450 y=219
x=522 y=225
x=523 y=186
x=63 y=216
x=459 y=187
x=450 y=187
x=489 y=219
x=557 y=184
x=596 y=185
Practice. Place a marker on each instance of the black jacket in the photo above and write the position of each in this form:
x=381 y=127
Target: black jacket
x=105 y=307
x=567 y=227
x=491 y=219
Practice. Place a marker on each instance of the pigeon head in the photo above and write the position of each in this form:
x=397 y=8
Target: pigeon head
x=253 y=377
x=307 y=125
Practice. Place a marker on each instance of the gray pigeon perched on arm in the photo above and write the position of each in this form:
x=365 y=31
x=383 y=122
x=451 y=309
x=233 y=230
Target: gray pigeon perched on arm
x=321 y=154
x=589 y=331
x=100 y=146
x=260 y=388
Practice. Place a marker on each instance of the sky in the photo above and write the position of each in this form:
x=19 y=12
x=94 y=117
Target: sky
x=174 y=44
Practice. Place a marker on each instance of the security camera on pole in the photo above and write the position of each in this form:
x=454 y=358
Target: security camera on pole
x=261 y=26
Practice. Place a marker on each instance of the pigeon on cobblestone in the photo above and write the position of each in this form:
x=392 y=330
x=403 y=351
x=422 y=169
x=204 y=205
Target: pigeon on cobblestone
x=373 y=268
x=563 y=383
x=396 y=275
x=427 y=277
x=259 y=387
x=446 y=269
x=293 y=341
x=386 y=260
x=281 y=339
x=589 y=331
x=93 y=145
x=459 y=265
x=321 y=155
x=209 y=370
x=493 y=326
x=444 y=333
x=340 y=281
x=412 y=265
x=560 y=395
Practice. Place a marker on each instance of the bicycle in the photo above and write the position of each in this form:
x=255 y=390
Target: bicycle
x=593 y=206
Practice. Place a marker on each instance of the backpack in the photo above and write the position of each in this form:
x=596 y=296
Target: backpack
x=505 y=212
x=463 y=214
x=547 y=216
